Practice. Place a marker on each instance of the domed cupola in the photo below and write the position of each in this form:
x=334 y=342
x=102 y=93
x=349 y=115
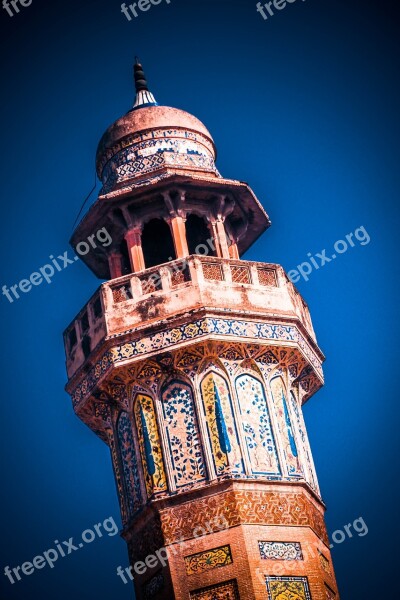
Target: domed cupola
x=162 y=197
x=153 y=141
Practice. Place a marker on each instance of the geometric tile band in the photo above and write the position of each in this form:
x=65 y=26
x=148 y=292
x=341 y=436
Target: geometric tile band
x=209 y=559
x=280 y=550
x=222 y=591
x=288 y=588
x=237 y=507
x=190 y=331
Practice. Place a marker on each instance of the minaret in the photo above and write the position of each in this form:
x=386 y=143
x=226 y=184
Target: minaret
x=192 y=365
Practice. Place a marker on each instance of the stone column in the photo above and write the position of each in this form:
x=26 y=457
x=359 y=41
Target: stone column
x=115 y=264
x=179 y=236
x=134 y=243
x=220 y=239
x=233 y=251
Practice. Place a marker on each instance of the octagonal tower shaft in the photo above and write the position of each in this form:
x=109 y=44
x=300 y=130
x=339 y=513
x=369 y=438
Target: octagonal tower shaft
x=193 y=365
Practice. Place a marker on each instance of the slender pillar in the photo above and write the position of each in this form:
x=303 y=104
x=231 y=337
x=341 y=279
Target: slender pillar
x=233 y=251
x=221 y=242
x=134 y=242
x=115 y=264
x=179 y=237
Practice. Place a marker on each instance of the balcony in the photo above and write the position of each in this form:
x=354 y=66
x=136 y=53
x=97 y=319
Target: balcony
x=162 y=292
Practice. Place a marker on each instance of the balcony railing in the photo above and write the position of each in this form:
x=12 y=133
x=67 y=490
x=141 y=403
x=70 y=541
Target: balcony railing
x=159 y=292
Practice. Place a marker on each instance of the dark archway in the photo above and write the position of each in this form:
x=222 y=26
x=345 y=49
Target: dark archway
x=157 y=243
x=198 y=236
x=125 y=261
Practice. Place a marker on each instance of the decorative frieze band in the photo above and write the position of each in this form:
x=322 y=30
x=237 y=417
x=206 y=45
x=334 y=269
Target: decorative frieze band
x=173 y=337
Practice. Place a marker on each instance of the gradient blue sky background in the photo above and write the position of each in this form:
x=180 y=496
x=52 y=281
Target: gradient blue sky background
x=304 y=107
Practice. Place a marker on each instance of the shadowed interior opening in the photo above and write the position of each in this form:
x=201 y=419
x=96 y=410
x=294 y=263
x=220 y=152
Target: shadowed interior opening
x=157 y=243
x=197 y=234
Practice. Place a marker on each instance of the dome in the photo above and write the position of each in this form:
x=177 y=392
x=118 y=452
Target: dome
x=151 y=140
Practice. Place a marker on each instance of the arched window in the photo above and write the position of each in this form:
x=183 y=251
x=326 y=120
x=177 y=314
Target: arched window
x=150 y=445
x=157 y=243
x=183 y=434
x=221 y=425
x=129 y=464
x=199 y=238
x=285 y=427
x=257 y=428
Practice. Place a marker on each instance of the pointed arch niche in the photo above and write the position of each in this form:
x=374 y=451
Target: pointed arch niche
x=150 y=445
x=183 y=436
x=256 y=426
x=131 y=479
x=286 y=431
x=221 y=426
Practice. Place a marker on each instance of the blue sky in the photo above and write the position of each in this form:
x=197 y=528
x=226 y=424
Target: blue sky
x=303 y=107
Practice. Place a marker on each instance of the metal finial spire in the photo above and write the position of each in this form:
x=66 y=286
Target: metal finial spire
x=143 y=96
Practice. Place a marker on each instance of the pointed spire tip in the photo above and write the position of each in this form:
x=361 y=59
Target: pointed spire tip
x=143 y=96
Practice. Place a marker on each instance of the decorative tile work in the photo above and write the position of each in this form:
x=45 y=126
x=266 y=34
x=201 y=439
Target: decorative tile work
x=150 y=445
x=102 y=411
x=222 y=591
x=144 y=157
x=183 y=436
x=207 y=560
x=280 y=550
x=243 y=507
x=231 y=353
x=221 y=425
x=325 y=564
x=330 y=594
x=256 y=423
x=129 y=464
x=153 y=586
x=212 y=271
x=268 y=358
x=311 y=476
x=288 y=588
x=189 y=361
x=190 y=331
x=240 y=274
x=140 y=137
x=150 y=374
x=285 y=428
x=118 y=478
x=267 y=277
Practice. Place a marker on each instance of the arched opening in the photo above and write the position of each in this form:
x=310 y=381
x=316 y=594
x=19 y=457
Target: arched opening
x=199 y=238
x=125 y=262
x=157 y=243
